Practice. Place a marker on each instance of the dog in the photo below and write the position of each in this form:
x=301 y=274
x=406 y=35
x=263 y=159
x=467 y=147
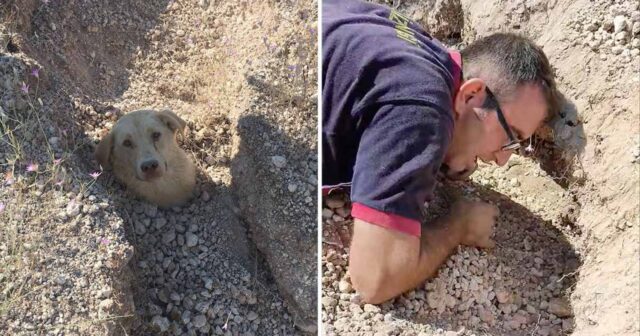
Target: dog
x=142 y=151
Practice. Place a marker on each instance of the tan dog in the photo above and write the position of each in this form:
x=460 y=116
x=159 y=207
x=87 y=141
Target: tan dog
x=143 y=152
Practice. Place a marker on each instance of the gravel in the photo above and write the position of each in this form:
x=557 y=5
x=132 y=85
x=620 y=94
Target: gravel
x=512 y=290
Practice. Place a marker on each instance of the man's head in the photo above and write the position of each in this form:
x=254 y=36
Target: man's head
x=503 y=74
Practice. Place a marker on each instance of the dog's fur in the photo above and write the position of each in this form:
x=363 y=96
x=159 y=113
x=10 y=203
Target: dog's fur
x=156 y=169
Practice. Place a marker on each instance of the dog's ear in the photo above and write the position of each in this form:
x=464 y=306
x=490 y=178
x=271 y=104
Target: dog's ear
x=103 y=151
x=172 y=120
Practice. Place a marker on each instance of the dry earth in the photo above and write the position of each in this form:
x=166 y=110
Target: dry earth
x=569 y=232
x=79 y=254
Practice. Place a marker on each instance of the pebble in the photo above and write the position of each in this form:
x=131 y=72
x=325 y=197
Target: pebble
x=160 y=323
x=151 y=210
x=205 y=196
x=369 y=308
x=73 y=209
x=279 y=161
x=204 y=4
x=486 y=316
x=199 y=321
x=329 y=302
x=159 y=222
x=292 y=187
x=560 y=307
x=60 y=280
x=252 y=316
x=139 y=227
x=191 y=239
x=503 y=296
x=335 y=203
x=104 y=293
x=168 y=237
x=344 y=286
x=619 y=23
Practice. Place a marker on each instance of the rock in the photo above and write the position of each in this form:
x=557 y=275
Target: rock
x=191 y=239
x=205 y=196
x=486 y=316
x=344 y=286
x=592 y=27
x=329 y=302
x=335 y=203
x=560 y=307
x=326 y=213
x=139 y=227
x=104 y=293
x=159 y=222
x=199 y=321
x=503 y=296
x=204 y=4
x=252 y=316
x=73 y=208
x=369 y=308
x=60 y=280
x=621 y=37
x=292 y=187
x=168 y=237
x=279 y=161
x=567 y=325
x=160 y=324
x=636 y=28
x=619 y=23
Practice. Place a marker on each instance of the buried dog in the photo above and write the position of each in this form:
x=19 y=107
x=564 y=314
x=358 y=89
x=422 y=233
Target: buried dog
x=143 y=153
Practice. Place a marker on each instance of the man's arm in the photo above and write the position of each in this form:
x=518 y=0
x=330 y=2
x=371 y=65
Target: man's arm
x=384 y=263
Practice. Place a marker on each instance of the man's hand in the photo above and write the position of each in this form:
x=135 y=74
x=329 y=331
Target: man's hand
x=476 y=220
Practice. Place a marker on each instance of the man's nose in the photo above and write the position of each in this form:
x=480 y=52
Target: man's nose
x=502 y=157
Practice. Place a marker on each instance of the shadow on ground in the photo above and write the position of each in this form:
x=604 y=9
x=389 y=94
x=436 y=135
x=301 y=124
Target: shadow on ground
x=277 y=199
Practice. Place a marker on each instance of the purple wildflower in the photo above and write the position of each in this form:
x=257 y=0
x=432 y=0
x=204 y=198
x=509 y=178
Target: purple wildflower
x=35 y=72
x=95 y=175
x=32 y=167
x=105 y=241
x=24 y=88
x=57 y=161
x=1 y=207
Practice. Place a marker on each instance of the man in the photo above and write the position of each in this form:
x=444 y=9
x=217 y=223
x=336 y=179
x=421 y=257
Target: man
x=397 y=108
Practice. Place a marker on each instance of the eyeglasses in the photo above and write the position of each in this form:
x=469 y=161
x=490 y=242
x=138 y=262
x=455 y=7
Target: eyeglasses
x=514 y=143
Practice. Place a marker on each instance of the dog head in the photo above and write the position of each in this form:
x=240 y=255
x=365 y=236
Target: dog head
x=141 y=144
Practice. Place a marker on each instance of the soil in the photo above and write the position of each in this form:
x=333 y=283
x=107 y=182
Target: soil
x=81 y=255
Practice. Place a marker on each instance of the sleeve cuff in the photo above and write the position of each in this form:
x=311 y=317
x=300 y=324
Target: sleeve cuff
x=385 y=219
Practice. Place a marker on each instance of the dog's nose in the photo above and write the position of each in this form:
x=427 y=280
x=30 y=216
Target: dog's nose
x=149 y=165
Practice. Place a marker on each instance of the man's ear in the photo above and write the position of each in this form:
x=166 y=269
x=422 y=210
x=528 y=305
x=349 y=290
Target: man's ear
x=172 y=120
x=472 y=93
x=103 y=151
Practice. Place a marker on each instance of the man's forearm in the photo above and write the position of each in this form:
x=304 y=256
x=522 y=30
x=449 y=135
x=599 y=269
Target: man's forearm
x=386 y=263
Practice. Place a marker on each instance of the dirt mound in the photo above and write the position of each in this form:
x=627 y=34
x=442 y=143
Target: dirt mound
x=569 y=231
x=80 y=255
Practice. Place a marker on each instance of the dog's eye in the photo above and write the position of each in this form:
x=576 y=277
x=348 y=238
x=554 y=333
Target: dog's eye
x=127 y=143
x=156 y=135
